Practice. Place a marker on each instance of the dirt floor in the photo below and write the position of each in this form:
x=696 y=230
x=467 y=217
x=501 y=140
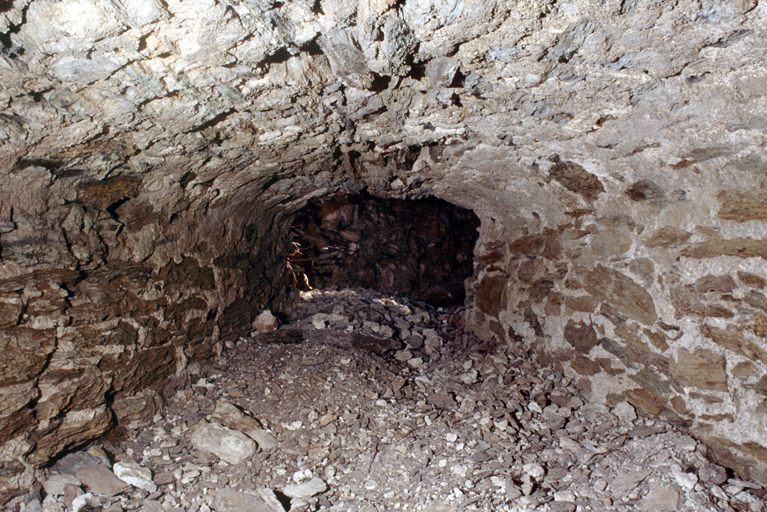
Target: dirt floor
x=366 y=402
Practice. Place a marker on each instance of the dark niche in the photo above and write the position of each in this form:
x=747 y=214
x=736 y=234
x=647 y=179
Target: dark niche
x=421 y=249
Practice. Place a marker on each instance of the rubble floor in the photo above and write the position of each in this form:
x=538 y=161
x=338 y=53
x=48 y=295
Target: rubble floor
x=378 y=404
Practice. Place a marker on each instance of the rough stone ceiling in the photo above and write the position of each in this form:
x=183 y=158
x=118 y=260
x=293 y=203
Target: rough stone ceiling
x=614 y=152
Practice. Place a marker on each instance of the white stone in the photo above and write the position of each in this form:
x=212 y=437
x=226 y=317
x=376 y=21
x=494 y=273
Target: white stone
x=229 y=445
x=686 y=481
x=305 y=490
x=137 y=476
x=625 y=412
x=265 y=322
x=85 y=500
x=534 y=471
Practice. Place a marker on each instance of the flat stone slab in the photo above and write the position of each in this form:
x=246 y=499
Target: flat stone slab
x=229 y=500
x=101 y=480
x=229 y=445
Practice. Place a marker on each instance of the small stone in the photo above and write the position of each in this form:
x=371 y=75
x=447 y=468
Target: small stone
x=512 y=491
x=625 y=412
x=415 y=362
x=414 y=341
x=534 y=471
x=305 y=490
x=164 y=478
x=151 y=506
x=469 y=377
x=628 y=481
x=660 y=499
x=230 y=416
x=55 y=484
x=432 y=344
x=327 y=419
x=562 y=506
x=439 y=508
x=265 y=322
x=451 y=437
x=686 y=481
x=229 y=500
x=32 y=506
x=403 y=355
x=712 y=474
x=85 y=501
x=135 y=475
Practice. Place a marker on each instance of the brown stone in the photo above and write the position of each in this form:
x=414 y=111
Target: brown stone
x=711 y=283
x=606 y=364
x=748 y=460
x=645 y=402
x=104 y=193
x=752 y=280
x=575 y=178
x=744 y=369
x=666 y=237
x=15 y=423
x=10 y=312
x=581 y=336
x=679 y=405
x=584 y=366
x=650 y=381
x=736 y=342
x=738 y=247
x=25 y=352
x=638 y=351
x=645 y=190
x=644 y=268
x=756 y=300
x=658 y=339
x=491 y=295
x=687 y=302
x=140 y=407
x=585 y=303
x=702 y=369
x=622 y=292
x=545 y=244
x=528 y=269
x=11 y=481
x=742 y=205
x=617 y=350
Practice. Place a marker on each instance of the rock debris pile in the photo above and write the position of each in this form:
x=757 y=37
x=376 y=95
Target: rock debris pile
x=366 y=402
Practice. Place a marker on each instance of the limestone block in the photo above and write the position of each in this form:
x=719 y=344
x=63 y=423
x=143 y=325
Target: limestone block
x=229 y=445
x=232 y=417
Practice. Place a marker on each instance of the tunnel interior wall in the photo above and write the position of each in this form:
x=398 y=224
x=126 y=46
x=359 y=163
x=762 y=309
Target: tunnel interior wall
x=153 y=155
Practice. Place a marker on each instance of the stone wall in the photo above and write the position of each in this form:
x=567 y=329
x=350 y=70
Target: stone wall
x=152 y=155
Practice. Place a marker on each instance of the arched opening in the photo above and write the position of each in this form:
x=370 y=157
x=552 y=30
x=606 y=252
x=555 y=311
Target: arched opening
x=421 y=249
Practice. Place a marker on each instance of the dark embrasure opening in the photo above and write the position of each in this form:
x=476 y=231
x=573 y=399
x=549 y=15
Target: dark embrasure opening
x=421 y=249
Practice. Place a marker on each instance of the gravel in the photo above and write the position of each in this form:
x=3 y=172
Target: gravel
x=351 y=410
